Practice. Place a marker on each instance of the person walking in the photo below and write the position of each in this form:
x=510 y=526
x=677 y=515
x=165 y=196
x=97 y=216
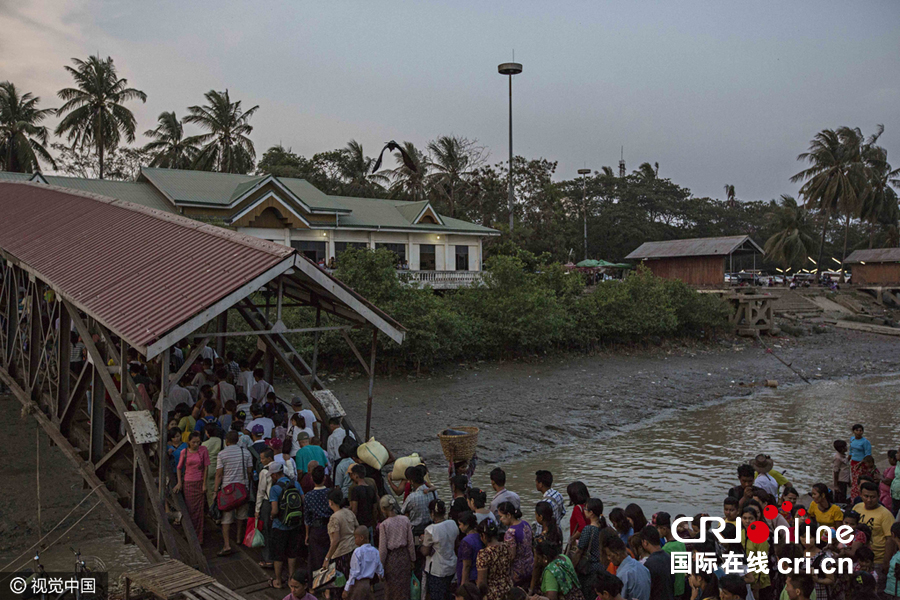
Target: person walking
x=365 y=564
x=501 y=494
x=397 y=550
x=341 y=530
x=519 y=536
x=494 y=563
x=234 y=465
x=860 y=448
x=263 y=506
x=193 y=465
x=578 y=496
x=469 y=547
x=285 y=500
x=213 y=445
x=316 y=513
x=558 y=579
x=438 y=544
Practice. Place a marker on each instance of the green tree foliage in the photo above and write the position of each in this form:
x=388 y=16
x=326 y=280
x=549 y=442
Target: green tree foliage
x=227 y=148
x=121 y=164
x=169 y=149
x=792 y=240
x=95 y=115
x=23 y=141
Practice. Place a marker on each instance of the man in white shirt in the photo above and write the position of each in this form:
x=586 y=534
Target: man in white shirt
x=762 y=464
x=365 y=564
x=176 y=395
x=498 y=482
x=336 y=436
x=308 y=416
x=258 y=419
x=222 y=390
x=260 y=388
x=208 y=353
x=245 y=380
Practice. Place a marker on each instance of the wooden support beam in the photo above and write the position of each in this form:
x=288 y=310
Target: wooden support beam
x=315 y=357
x=111 y=454
x=67 y=410
x=86 y=470
x=222 y=327
x=356 y=352
x=35 y=340
x=141 y=456
x=97 y=412
x=371 y=382
x=267 y=331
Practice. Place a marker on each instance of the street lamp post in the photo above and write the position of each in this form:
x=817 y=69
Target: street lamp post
x=584 y=173
x=510 y=69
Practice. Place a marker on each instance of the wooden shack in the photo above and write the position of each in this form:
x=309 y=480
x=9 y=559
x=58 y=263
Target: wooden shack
x=698 y=261
x=876 y=266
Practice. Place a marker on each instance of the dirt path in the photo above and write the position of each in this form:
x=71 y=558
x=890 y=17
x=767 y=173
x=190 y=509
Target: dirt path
x=526 y=406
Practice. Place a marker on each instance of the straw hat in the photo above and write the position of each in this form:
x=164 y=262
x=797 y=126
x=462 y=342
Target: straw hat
x=762 y=463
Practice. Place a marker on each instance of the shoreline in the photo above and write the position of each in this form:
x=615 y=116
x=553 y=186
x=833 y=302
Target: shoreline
x=524 y=407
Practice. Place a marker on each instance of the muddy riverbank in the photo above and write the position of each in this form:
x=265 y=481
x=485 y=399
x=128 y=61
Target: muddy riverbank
x=526 y=407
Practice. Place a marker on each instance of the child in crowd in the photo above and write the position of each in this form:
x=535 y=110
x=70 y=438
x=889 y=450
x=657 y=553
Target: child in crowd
x=840 y=466
x=887 y=478
x=865 y=561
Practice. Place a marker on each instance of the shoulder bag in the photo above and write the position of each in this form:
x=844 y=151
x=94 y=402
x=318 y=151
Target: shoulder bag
x=233 y=495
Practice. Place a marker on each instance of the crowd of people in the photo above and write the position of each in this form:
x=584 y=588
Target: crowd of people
x=318 y=503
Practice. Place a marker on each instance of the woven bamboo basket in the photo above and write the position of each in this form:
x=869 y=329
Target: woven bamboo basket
x=459 y=447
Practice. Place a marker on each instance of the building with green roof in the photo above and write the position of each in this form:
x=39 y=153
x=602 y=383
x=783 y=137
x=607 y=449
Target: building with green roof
x=436 y=250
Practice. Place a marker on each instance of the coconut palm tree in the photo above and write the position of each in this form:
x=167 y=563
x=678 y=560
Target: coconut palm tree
x=95 y=114
x=22 y=140
x=793 y=238
x=879 y=205
x=648 y=171
x=355 y=169
x=453 y=161
x=227 y=148
x=169 y=148
x=833 y=181
x=409 y=182
x=729 y=195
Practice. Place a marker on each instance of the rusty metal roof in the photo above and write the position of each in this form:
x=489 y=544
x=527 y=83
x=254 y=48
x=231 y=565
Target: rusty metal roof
x=715 y=246
x=874 y=255
x=137 y=270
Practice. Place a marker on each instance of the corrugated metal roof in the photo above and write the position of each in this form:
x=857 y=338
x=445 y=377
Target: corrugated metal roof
x=874 y=255
x=130 y=191
x=141 y=272
x=715 y=246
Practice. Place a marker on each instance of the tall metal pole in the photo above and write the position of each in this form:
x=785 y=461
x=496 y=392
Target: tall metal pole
x=511 y=220
x=510 y=69
x=584 y=174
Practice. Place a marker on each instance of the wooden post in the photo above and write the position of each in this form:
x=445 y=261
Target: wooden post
x=315 y=356
x=37 y=453
x=222 y=326
x=371 y=382
x=161 y=444
x=97 y=412
x=35 y=343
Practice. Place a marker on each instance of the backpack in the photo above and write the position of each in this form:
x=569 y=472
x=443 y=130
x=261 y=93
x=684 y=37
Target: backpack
x=290 y=504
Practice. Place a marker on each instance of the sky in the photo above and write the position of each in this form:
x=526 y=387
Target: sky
x=716 y=92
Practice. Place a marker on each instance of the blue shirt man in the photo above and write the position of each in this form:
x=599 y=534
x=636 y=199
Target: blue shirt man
x=635 y=576
x=275 y=495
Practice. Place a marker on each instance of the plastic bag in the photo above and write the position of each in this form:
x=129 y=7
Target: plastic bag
x=258 y=539
x=415 y=589
x=253 y=527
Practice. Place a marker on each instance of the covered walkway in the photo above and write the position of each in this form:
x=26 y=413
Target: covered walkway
x=125 y=278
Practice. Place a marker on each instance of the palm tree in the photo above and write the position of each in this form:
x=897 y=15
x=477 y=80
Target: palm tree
x=832 y=182
x=409 y=182
x=356 y=169
x=880 y=203
x=170 y=149
x=22 y=140
x=227 y=149
x=793 y=238
x=453 y=161
x=729 y=195
x=96 y=115
x=647 y=171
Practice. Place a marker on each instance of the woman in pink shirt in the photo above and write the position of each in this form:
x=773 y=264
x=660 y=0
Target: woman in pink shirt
x=192 y=467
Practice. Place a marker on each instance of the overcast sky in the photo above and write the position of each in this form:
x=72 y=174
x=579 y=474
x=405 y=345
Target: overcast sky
x=716 y=92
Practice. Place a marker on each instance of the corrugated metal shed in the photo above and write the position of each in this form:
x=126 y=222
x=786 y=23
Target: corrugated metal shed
x=874 y=255
x=139 y=271
x=716 y=246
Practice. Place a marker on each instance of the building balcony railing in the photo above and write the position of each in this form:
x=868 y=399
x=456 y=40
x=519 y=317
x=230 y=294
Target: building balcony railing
x=442 y=280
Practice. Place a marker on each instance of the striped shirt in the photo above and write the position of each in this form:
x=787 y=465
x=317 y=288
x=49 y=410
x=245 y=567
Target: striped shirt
x=234 y=462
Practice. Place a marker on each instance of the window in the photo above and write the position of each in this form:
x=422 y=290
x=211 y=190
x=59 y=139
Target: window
x=314 y=251
x=341 y=246
x=398 y=249
x=427 y=257
x=462 y=258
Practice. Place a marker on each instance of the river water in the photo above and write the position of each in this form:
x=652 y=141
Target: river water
x=685 y=461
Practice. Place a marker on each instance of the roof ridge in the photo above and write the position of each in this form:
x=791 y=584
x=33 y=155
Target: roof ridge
x=186 y=222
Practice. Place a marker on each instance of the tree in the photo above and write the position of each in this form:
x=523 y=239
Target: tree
x=879 y=206
x=227 y=148
x=833 y=178
x=169 y=148
x=453 y=161
x=122 y=163
x=729 y=195
x=407 y=182
x=356 y=169
x=95 y=111
x=22 y=139
x=793 y=239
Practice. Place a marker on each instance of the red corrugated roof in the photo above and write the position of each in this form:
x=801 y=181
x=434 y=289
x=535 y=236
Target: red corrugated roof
x=141 y=272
